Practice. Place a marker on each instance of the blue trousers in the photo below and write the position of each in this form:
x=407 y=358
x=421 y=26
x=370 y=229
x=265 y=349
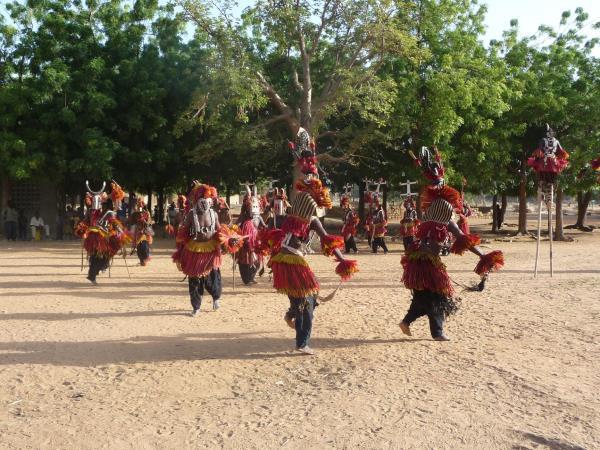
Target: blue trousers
x=302 y=310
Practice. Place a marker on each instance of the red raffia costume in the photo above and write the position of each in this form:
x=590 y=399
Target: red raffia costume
x=409 y=225
x=102 y=233
x=350 y=226
x=379 y=226
x=141 y=229
x=250 y=222
x=292 y=276
x=199 y=240
x=549 y=158
x=424 y=272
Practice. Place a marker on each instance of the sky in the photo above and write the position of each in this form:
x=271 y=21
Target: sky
x=530 y=13
x=533 y=13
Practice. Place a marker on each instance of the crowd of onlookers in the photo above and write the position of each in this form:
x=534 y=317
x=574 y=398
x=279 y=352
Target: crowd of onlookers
x=18 y=226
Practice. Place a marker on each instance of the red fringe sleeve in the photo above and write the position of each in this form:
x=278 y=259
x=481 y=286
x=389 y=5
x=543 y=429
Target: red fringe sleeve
x=231 y=240
x=330 y=242
x=346 y=268
x=170 y=230
x=465 y=242
x=490 y=262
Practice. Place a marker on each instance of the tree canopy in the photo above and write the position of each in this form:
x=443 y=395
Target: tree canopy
x=155 y=93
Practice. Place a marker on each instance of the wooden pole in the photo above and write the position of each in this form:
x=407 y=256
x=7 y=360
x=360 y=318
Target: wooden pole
x=550 y=204
x=539 y=230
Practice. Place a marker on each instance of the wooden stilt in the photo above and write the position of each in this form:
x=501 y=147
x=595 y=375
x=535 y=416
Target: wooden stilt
x=539 y=230
x=550 y=232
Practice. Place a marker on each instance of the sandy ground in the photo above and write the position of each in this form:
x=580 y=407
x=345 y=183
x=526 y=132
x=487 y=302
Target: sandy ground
x=121 y=365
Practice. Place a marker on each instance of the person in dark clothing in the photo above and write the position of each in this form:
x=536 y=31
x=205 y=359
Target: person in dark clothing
x=210 y=282
x=22 y=224
x=379 y=222
x=10 y=218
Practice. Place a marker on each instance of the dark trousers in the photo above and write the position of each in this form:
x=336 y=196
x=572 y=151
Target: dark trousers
x=143 y=251
x=408 y=241
x=379 y=242
x=427 y=303
x=350 y=244
x=301 y=310
x=210 y=282
x=248 y=272
x=10 y=231
x=97 y=264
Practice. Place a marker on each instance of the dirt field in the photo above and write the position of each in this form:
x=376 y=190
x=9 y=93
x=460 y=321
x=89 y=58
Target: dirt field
x=121 y=365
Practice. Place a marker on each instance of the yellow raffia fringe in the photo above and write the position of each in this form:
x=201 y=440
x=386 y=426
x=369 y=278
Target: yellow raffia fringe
x=100 y=231
x=202 y=247
x=298 y=293
x=287 y=258
x=435 y=260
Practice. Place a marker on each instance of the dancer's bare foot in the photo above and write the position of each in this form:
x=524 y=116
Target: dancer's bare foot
x=443 y=337
x=405 y=328
x=290 y=321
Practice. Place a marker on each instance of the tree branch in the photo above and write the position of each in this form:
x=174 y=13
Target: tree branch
x=273 y=120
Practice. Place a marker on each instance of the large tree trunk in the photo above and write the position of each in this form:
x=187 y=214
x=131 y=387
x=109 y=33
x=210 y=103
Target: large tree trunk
x=361 y=201
x=495 y=217
x=559 y=234
x=149 y=205
x=385 y=198
x=523 y=199
x=503 y=207
x=161 y=207
x=583 y=202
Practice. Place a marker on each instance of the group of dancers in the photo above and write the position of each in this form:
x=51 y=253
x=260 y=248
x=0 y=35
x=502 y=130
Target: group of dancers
x=278 y=244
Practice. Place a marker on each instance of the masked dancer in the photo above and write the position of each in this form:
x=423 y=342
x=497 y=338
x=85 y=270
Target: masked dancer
x=424 y=272
x=102 y=233
x=199 y=241
x=292 y=275
x=250 y=221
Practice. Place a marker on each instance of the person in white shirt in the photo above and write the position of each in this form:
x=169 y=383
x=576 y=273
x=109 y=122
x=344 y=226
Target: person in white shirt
x=37 y=225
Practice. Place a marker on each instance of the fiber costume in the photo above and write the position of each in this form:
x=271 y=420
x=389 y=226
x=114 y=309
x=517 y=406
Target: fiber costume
x=249 y=257
x=278 y=206
x=351 y=221
x=199 y=240
x=102 y=233
x=292 y=275
x=424 y=272
x=141 y=229
x=409 y=224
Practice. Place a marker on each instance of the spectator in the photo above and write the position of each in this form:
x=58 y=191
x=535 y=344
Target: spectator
x=10 y=218
x=22 y=225
x=60 y=224
x=37 y=226
x=123 y=210
x=172 y=214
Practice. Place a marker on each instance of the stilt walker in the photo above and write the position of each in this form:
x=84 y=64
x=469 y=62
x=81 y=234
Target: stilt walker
x=549 y=159
x=292 y=275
